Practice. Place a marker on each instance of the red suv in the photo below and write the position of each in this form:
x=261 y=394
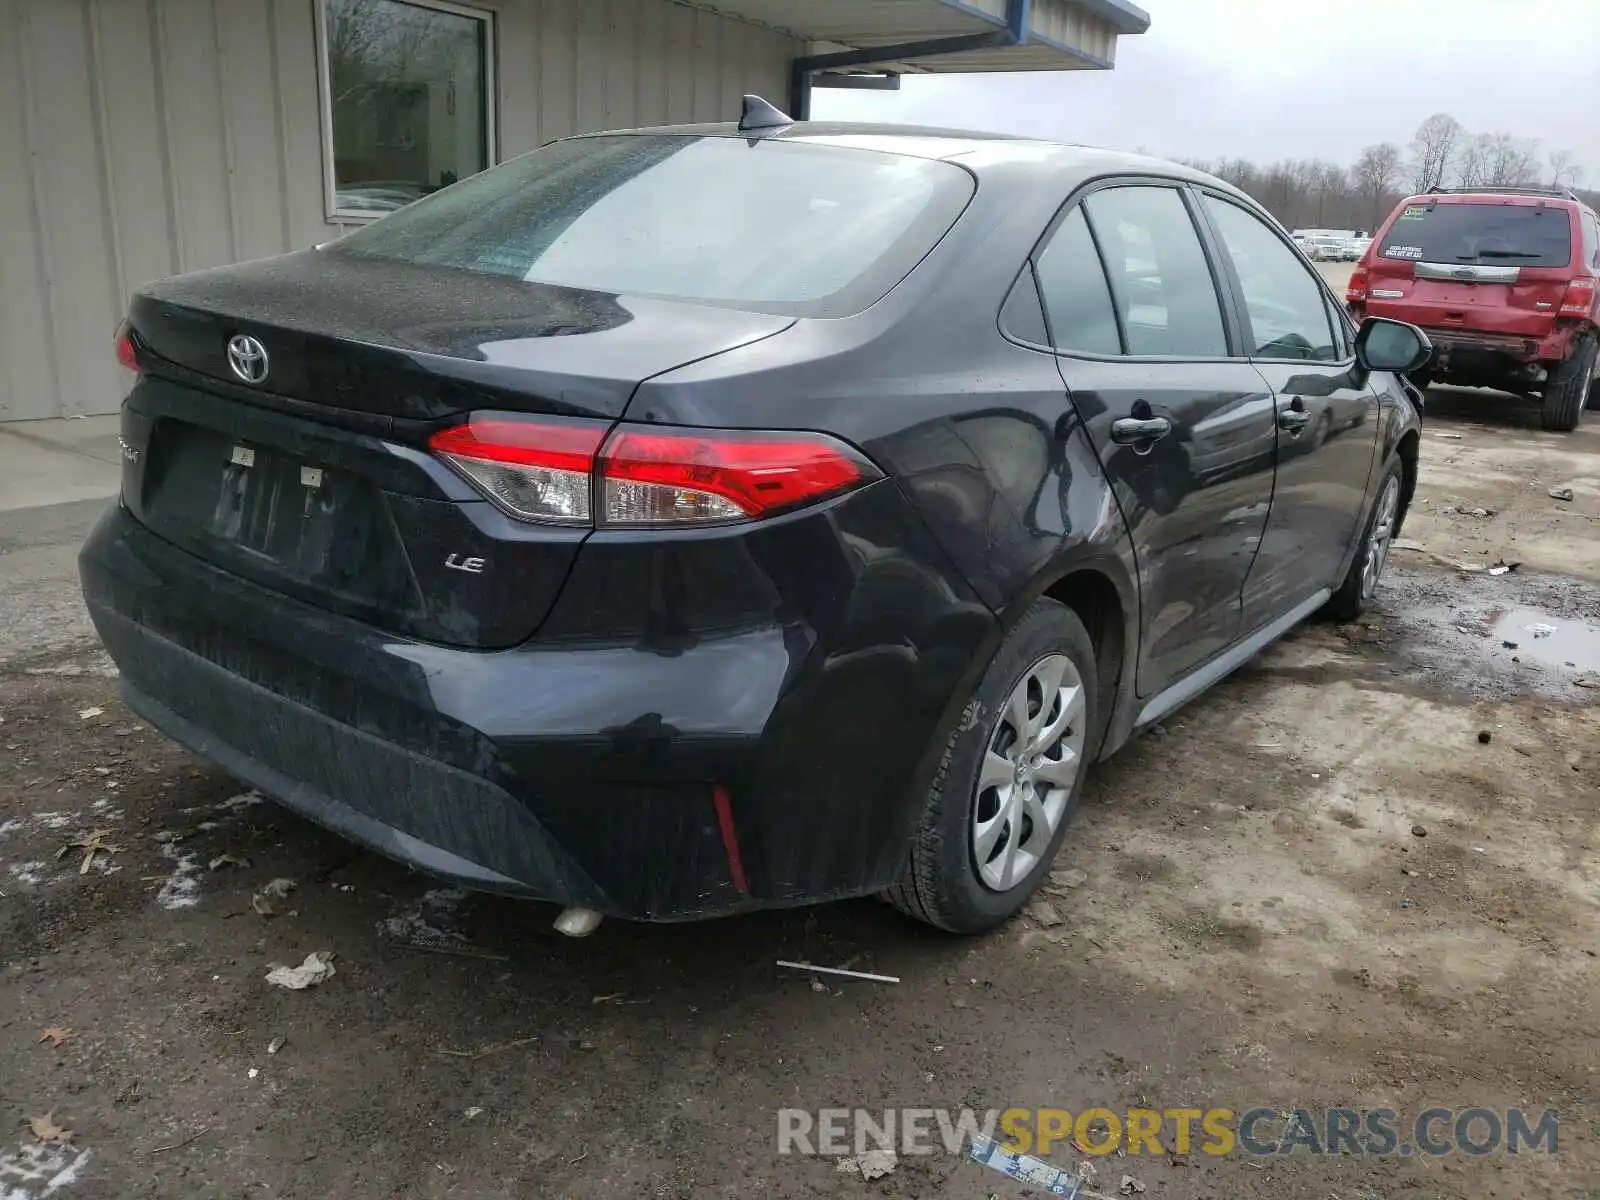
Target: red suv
x=1505 y=283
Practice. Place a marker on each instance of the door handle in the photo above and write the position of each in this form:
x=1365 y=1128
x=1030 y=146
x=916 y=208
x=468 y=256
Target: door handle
x=1127 y=431
x=1293 y=419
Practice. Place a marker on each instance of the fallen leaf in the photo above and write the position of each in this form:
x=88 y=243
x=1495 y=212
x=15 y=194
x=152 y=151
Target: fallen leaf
x=55 y=1035
x=46 y=1130
x=229 y=860
x=88 y=713
x=91 y=844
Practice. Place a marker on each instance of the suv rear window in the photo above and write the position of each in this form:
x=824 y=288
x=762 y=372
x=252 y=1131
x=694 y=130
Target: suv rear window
x=776 y=226
x=1501 y=234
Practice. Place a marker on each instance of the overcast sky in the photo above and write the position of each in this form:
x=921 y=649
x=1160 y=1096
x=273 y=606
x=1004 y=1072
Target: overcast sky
x=1271 y=79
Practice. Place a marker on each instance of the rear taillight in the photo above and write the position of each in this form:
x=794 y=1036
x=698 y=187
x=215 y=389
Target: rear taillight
x=535 y=470
x=1579 y=299
x=654 y=476
x=568 y=472
x=1356 y=293
x=127 y=352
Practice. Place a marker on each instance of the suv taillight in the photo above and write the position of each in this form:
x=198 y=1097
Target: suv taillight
x=1356 y=293
x=1579 y=299
x=569 y=472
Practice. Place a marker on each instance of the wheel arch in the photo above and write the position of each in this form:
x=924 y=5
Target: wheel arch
x=1100 y=589
x=1409 y=451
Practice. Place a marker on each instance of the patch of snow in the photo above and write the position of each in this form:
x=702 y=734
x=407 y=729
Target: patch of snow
x=29 y=873
x=182 y=887
x=34 y=1172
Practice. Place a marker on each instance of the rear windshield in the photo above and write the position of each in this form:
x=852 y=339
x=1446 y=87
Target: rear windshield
x=772 y=226
x=1503 y=234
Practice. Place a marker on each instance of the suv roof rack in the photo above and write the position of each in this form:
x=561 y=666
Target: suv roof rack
x=1560 y=193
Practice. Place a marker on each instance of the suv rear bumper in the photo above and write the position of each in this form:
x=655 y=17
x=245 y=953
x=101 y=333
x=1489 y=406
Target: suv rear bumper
x=777 y=764
x=1459 y=343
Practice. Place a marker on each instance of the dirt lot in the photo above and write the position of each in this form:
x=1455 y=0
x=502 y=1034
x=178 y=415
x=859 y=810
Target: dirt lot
x=1260 y=925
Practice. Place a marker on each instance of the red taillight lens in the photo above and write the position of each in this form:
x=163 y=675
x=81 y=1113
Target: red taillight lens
x=127 y=352
x=1579 y=299
x=552 y=470
x=538 y=470
x=654 y=476
x=1356 y=293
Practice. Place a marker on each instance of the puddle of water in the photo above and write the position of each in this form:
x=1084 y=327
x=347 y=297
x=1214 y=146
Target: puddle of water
x=1554 y=641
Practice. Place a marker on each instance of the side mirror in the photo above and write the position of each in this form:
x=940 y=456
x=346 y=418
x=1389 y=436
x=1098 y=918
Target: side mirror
x=1385 y=345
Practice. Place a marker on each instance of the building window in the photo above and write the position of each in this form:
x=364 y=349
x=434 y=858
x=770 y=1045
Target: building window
x=407 y=100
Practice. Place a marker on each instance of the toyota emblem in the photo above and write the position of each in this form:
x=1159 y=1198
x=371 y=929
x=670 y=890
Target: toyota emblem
x=247 y=357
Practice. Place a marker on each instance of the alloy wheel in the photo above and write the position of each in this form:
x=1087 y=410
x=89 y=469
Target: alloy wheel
x=1032 y=760
x=1382 y=535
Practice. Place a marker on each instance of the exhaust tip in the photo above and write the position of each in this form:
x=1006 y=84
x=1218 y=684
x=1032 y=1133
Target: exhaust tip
x=578 y=922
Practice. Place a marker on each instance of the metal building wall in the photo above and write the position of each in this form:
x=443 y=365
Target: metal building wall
x=139 y=138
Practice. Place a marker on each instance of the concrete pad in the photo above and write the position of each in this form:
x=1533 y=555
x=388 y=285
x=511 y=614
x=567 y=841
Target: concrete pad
x=56 y=462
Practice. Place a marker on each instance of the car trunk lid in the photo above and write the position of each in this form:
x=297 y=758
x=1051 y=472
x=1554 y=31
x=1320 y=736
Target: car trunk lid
x=315 y=480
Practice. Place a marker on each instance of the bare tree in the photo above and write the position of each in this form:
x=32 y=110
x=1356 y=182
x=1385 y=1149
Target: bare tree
x=1433 y=149
x=1510 y=161
x=1472 y=164
x=1374 y=178
x=1564 y=169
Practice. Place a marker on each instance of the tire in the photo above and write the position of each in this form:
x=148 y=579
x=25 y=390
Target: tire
x=944 y=883
x=1356 y=590
x=1569 y=386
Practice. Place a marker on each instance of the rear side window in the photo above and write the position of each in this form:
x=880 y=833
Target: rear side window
x=1161 y=282
x=776 y=226
x=1510 y=235
x=1077 y=299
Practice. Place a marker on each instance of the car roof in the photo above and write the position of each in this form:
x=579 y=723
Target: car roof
x=978 y=151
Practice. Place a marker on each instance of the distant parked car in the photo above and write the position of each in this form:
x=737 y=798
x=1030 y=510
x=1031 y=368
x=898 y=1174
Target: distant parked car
x=1507 y=284
x=589 y=533
x=1326 y=248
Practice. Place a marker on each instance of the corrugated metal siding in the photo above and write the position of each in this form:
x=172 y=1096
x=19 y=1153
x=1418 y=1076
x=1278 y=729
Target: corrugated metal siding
x=143 y=137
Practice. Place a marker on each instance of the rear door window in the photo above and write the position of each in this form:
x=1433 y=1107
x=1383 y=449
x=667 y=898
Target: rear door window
x=786 y=227
x=1161 y=282
x=1507 y=235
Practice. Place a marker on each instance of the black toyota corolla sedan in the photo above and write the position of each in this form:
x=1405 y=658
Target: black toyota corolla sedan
x=684 y=521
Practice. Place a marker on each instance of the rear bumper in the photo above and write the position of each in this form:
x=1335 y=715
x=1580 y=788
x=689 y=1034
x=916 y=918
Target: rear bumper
x=1464 y=345
x=658 y=778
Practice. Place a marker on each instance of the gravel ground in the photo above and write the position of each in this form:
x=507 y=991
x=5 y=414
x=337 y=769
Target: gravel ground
x=1249 y=919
